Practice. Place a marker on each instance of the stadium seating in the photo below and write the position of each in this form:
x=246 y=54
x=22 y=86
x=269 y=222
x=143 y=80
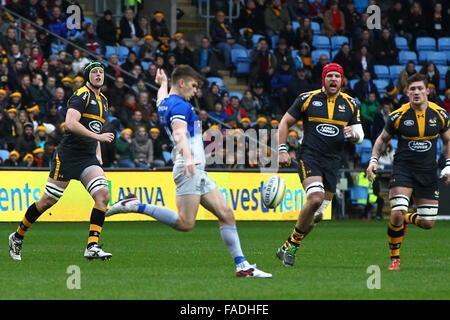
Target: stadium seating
x=136 y=50
x=145 y=65
x=235 y=93
x=395 y=70
x=217 y=80
x=401 y=43
x=442 y=70
x=437 y=57
x=4 y=154
x=352 y=83
x=109 y=51
x=122 y=53
x=242 y=66
x=381 y=85
x=394 y=143
x=295 y=25
x=334 y=53
x=238 y=53
x=361 y=5
x=255 y=38
x=338 y=41
x=274 y=40
x=315 y=26
x=422 y=56
x=405 y=55
x=425 y=43
x=364 y=150
x=315 y=54
x=358 y=193
x=56 y=48
x=321 y=42
x=444 y=44
x=381 y=71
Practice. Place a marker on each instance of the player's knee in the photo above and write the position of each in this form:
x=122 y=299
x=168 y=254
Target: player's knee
x=45 y=202
x=397 y=216
x=102 y=197
x=426 y=224
x=316 y=199
x=184 y=225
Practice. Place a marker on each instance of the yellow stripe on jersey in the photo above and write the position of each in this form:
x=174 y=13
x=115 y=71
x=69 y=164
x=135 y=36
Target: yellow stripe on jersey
x=420 y=116
x=420 y=138
x=347 y=98
x=58 y=164
x=331 y=121
x=93 y=116
x=402 y=110
x=307 y=102
x=331 y=104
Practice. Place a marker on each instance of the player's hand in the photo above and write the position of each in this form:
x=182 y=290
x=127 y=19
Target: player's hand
x=160 y=76
x=189 y=167
x=445 y=174
x=106 y=137
x=348 y=132
x=373 y=166
x=284 y=159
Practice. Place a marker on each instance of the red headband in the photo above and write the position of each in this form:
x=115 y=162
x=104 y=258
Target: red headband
x=332 y=67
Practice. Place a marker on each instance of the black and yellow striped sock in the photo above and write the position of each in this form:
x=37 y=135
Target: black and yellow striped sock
x=411 y=218
x=32 y=214
x=96 y=225
x=396 y=234
x=295 y=238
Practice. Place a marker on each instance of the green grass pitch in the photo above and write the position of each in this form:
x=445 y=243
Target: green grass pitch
x=152 y=261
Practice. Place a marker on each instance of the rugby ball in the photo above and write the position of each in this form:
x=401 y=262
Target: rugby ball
x=273 y=191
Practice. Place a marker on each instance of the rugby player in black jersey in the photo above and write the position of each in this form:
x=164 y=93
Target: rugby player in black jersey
x=417 y=125
x=78 y=157
x=329 y=117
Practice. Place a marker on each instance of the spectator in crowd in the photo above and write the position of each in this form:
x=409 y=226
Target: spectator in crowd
x=283 y=53
x=49 y=150
x=113 y=69
x=30 y=39
x=430 y=71
x=28 y=161
x=38 y=155
x=433 y=95
x=234 y=109
x=438 y=25
x=116 y=94
x=13 y=160
x=144 y=24
x=261 y=97
x=182 y=53
x=333 y=21
x=224 y=37
x=363 y=61
x=304 y=33
x=130 y=31
x=300 y=83
x=386 y=51
x=351 y=17
x=345 y=59
x=212 y=96
x=8 y=40
x=218 y=113
x=57 y=22
x=288 y=33
x=126 y=110
x=262 y=64
x=124 y=149
x=317 y=11
x=143 y=148
x=79 y=61
x=416 y=22
x=52 y=116
x=14 y=75
x=446 y=101
x=280 y=82
x=275 y=18
x=369 y=107
x=380 y=118
x=250 y=104
x=303 y=58
x=26 y=142
x=8 y=128
x=158 y=26
x=137 y=121
x=365 y=40
x=409 y=70
x=89 y=39
x=106 y=30
x=316 y=76
x=158 y=148
x=365 y=86
x=205 y=60
x=40 y=136
x=299 y=10
x=21 y=119
x=130 y=62
x=398 y=16
x=144 y=106
x=146 y=49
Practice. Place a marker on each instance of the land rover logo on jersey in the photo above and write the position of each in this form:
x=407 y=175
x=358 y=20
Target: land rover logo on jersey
x=327 y=130
x=420 y=146
x=317 y=103
x=95 y=126
x=408 y=123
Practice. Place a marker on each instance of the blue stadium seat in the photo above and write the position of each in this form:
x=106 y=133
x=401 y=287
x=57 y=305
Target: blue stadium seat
x=381 y=85
x=55 y=48
x=364 y=150
x=401 y=43
x=242 y=66
x=136 y=50
x=425 y=43
x=274 y=40
x=334 y=53
x=448 y=55
x=422 y=56
x=352 y=83
x=217 y=80
x=122 y=52
x=235 y=93
x=361 y=5
x=338 y=41
x=442 y=70
x=394 y=143
x=255 y=38
x=444 y=44
x=145 y=65
x=438 y=57
x=109 y=51
x=315 y=26
x=404 y=56
x=381 y=71
x=359 y=194
x=238 y=53
x=295 y=25
x=395 y=70
x=321 y=42
x=442 y=84
x=4 y=154
x=315 y=54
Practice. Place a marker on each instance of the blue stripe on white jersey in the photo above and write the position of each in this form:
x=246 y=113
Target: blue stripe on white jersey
x=175 y=108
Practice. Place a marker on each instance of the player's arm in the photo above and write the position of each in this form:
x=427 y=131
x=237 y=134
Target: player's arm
x=98 y=153
x=161 y=80
x=378 y=148
x=355 y=131
x=180 y=136
x=73 y=124
x=446 y=142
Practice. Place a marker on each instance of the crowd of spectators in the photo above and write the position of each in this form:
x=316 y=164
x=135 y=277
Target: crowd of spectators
x=38 y=76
